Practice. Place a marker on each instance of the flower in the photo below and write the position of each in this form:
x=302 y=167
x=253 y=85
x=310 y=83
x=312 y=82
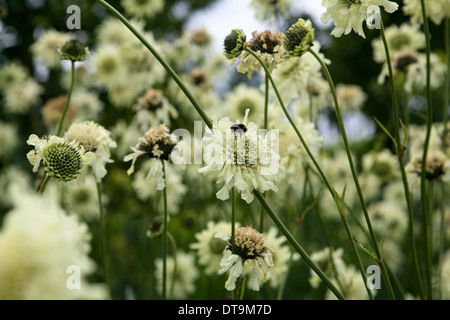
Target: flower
x=45 y=48
x=53 y=109
x=73 y=50
x=415 y=80
x=251 y=257
x=22 y=96
x=267 y=45
x=349 y=15
x=298 y=38
x=351 y=97
x=435 y=167
x=242 y=159
x=143 y=8
x=209 y=248
x=271 y=9
x=234 y=43
x=330 y=261
x=63 y=161
x=181 y=276
x=406 y=37
x=157 y=143
x=437 y=10
x=39 y=241
x=82 y=199
x=95 y=138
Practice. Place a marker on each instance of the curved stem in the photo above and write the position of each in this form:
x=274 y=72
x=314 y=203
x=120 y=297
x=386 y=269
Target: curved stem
x=265 y=126
x=297 y=246
x=166 y=66
x=72 y=82
x=400 y=155
x=44 y=184
x=354 y=174
x=164 y=288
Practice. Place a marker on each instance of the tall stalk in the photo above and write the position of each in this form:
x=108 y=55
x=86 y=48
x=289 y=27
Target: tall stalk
x=400 y=150
x=429 y=123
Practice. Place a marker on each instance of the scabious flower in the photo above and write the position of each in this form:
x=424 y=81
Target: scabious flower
x=298 y=38
x=181 y=274
x=96 y=139
x=330 y=261
x=53 y=109
x=436 y=166
x=8 y=138
x=62 y=160
x=349 y=15
x=270 y=10
x=268 y=47
x=351 y=97
x=73 y=50
x=415 y=78
x=251 y=257
x=39 y=241
x=143 y=8
x=82 y=199
x=437 y=10
x=406 y=37
x=157 y=144
x=234 y=44
x=22 y=96
x=242 y=158
x=209 y=248
x=241 y=98
x=153 y=107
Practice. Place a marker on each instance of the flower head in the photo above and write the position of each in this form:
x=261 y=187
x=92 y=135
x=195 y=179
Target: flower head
x=73 y=50
x=157 y=144
x=349 y=15
x=234 y=43
x=250 y=251
x=95 y=138
x=63 y=161
x=435 y=167
x=298 y=38
x=243 y=158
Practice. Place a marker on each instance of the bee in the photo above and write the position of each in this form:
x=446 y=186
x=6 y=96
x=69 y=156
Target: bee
x=239 y=127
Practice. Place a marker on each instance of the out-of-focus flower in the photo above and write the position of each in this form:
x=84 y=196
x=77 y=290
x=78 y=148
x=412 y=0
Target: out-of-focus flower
x=351 y=97
x=437 y=10
x=181 y=274
x=143 y=8
x=53 y=109
x=270 y=10
x=46 y=47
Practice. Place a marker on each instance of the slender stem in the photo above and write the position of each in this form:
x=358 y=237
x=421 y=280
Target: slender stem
x=354 y=174
x=429 y=122
x=441 y=236
x=174 y=273
x=400 y=155
x=447 y=75
x=233 y=219
x=44 y=184
x=241 y=296
x=265 y=126
x=297 y=246
x=164 y=288
x=72 y=82
x=103 y=234
x=166 y=66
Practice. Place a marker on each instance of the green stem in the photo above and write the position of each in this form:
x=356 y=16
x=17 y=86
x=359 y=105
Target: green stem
x=354 y=174
x=103 y=235
x=233 y=219
x=72 y=82
x=164 y=288
x=297 y=246
x=265 y=126
x=44 y=184
x=174 y=274
x=241 y=296
x=429 y=122
x=442 y=236
x=400 y=155
x=166 y=66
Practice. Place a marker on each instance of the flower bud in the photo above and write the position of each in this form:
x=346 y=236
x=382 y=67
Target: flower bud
x=298 y=38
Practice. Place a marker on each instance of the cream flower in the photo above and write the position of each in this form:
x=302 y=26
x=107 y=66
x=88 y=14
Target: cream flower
x=209 y=248
x=143 y=8
x=45 y=48
x=437 y=10
x=270 y=10
x=349 y=15
x=186 y=273
x=242 y=158
x=39 y=242
x=95 y=138
x=252 y=257
x=63 y=161
x=157 y=144
x=351 y=97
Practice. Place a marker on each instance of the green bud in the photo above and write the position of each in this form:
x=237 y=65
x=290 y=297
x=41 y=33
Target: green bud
x=298 y=38
x=234 y=43
x=73 y=50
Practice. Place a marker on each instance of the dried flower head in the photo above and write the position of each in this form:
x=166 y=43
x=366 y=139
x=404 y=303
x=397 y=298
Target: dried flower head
x=53 y=109
x=234 y=43
x=266 y=41
x=73 y=50
x=298 y=38
x=435 y=167
x=152 y=99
